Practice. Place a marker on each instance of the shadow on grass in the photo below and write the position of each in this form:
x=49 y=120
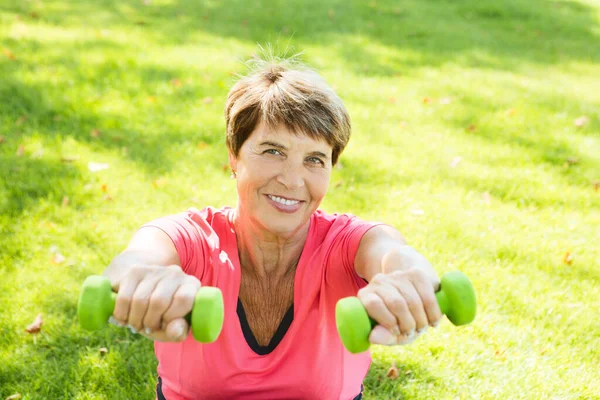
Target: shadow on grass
x=66 y=362
x=482 y=34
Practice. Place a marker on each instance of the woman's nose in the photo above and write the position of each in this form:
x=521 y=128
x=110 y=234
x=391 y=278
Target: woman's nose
x=291 y=176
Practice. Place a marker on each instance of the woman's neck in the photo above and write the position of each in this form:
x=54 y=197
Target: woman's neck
x=264 y=254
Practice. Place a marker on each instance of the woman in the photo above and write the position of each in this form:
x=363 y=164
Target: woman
x=280 y=263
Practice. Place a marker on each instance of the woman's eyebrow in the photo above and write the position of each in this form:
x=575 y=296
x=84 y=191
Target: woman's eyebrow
x=273 y=144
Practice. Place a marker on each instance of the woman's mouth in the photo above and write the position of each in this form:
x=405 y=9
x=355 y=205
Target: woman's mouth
x=284 y=205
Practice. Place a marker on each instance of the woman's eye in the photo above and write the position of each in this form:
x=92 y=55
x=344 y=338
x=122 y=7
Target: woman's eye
x=272 y=151
x=316 y=161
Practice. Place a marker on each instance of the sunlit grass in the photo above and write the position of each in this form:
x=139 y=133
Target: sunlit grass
x=476 y=134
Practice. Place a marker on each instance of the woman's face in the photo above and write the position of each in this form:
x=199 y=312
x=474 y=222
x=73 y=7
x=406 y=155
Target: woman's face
x=281 y=178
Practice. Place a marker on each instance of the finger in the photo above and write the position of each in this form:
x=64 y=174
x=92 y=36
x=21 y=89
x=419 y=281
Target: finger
x=377 y=309
x=417 y=318
x=430 y=304
x=122 y=304
x=381 y=335
x=139 y=303
x=182 y=302
x=159 y=303
x=177 y=330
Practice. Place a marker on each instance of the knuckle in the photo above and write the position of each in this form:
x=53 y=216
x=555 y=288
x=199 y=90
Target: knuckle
x=396 y=303
x=159 y=302
x=372 y=301
x=379 y=278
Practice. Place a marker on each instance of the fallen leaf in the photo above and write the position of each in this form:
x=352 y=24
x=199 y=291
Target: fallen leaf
x=486 y=198
x=104 y=187
x=568 y=258
x=20 y=151
x=95 y=133
x=572 y=160
x=471 y=128
x=95 y=167
x=15 y=396
x=176 y=83
x=58 y=259
x=159 y=183
x=103 y=351
x=36 y=326
x=340 y=183
x=225 y=167
x=455 y=161
x=8 y=54
x=69 y=158
x=427 y=100
x=596 y=184
x=208 y=100
x=2 y=139
x=582 y=121
x=65 y=201
x=392 y=373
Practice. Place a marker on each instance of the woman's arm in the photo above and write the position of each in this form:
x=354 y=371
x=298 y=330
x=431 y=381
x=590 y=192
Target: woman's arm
x=400 y=295
x=153 y=293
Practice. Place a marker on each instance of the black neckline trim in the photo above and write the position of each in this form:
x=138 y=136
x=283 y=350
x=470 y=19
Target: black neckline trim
x=275 y=340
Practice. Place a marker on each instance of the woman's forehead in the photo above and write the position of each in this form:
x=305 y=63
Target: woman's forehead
x=286 y=137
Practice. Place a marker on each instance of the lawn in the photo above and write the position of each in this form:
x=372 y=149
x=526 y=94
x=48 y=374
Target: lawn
x=476 y=132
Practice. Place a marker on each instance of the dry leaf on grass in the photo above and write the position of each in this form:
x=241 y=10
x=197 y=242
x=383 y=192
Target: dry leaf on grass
x=95 y=133
x=15 y=396
x=103 y=351
x=455 y=161
x=58 y=259
x=8 y=54
x=69 y=159
x=95 y=167
x=36 y=326
x=568 y=258
x=582 y=121
x=2 y=139
x=392 y=373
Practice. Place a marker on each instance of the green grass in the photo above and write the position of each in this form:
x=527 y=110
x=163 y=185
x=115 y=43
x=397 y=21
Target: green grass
x=505 y=82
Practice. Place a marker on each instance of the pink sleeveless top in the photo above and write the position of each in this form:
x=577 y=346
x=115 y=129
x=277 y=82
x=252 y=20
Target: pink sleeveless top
x=310 y=361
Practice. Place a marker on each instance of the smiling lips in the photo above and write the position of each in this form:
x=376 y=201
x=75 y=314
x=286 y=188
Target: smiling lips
x=284 y=205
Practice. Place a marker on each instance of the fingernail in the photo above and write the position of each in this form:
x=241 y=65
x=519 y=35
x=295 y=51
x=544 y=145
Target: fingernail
x=393 y=340
x=436 y=323
x=148 y=331
x=396 y=331
x=407 y=341
x=422 y=330
x=411 y=335
x=132 y=329
x=179 y=331
x=112 y=320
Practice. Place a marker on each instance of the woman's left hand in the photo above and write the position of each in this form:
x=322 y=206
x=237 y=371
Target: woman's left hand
x=401 y=298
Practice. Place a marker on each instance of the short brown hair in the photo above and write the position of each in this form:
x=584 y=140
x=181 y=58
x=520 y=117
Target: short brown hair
x=283 y=92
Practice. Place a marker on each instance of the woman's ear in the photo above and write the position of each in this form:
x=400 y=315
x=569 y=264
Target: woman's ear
x=232 y=162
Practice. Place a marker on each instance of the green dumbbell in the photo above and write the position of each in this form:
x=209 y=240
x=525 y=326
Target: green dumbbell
x=456 y=299
x=97 y=304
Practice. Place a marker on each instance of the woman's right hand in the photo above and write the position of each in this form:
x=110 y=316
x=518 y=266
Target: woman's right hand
x=153 y=301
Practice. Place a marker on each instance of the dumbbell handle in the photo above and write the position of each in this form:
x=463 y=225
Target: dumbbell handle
x=456 y=299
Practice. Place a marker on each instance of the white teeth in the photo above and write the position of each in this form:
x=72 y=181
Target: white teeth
x=284 y=201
